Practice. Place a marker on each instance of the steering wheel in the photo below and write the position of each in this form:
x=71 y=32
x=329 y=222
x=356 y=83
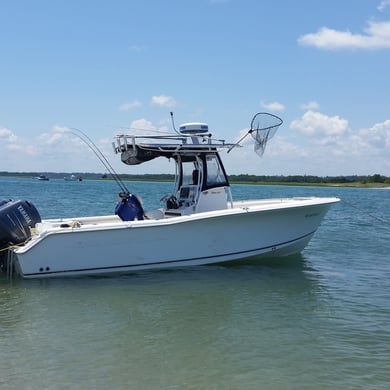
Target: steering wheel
x=170 y=201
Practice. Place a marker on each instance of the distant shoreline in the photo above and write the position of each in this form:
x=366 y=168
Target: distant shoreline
x=374 y=181
x=301 y=184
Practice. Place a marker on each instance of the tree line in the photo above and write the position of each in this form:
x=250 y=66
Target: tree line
x=310 y=179
x=243 y=178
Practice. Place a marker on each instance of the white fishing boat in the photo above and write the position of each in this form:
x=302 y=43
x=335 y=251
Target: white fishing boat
x=42 y=178
x=73 y=178
x=199 y=222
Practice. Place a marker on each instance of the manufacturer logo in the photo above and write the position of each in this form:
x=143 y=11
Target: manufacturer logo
x=24 y=213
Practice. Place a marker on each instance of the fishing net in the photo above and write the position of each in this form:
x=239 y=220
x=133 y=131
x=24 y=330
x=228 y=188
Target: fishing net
x=263 y=128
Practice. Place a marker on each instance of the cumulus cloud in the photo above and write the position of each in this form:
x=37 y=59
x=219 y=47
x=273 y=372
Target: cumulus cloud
x=282 y=146
x=329 y=147
x=383 y=4
x=59 y=144
x=376 y=36
x=142 y=127
x=4 y=132
x=273 y=106
x=163 y=101
x=130 y=105
x=376 y=137
x=371 y=143
x=337 y=149
x=242 y=136
x=142 y=124
x=53 y=139
x=54 y=136
x=312 y=105
x=7 y=135
x=11 y=141
x=314 y=123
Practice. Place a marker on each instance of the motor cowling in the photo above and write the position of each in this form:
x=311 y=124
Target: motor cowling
x=16 y=219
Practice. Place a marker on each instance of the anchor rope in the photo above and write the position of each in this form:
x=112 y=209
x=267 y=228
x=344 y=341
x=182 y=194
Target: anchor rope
x=13 y=246
x=366 y=213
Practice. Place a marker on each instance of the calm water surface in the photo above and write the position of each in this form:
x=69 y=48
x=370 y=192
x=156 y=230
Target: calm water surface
x=319 y=320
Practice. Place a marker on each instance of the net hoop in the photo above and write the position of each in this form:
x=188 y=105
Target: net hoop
x=263 y=127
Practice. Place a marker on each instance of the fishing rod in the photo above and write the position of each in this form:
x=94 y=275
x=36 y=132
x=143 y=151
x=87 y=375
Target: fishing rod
x=98 y=153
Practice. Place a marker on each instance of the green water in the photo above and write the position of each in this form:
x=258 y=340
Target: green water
x=319 y=320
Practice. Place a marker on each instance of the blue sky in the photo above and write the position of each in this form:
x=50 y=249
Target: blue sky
x=104 y=66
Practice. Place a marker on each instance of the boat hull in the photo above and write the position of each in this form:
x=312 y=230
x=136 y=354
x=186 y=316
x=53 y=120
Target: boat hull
x=107 y=245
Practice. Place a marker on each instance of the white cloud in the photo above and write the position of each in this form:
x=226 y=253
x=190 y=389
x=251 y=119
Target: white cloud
x=4 y=132
x=312 y=105
x=273 y=106
x=242 y=139
x=137 y=48
x=142 y=127
x=339 y=150
x=44 y=145
x=377 y=36
x=163 y=101
x=364 y=150
x=375 y=138
x=53 y=137
x=12 y=142
x=314 y=123
x=142 y=124
x=8 y=136
x=383 y=4
x=128 y=106
x=282 y=146
x=330 y=149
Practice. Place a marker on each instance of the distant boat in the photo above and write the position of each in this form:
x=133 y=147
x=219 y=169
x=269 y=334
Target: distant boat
x=42 y=177
x=73 y=178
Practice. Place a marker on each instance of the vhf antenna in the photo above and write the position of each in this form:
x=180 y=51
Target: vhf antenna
x=173 y=123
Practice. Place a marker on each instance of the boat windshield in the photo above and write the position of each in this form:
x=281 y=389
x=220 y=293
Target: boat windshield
x=216 y=176
x=191 y=172
x=205 y=171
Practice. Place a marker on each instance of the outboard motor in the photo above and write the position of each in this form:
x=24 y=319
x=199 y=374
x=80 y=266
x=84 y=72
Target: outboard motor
x=129 y=207
x=16 y=218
